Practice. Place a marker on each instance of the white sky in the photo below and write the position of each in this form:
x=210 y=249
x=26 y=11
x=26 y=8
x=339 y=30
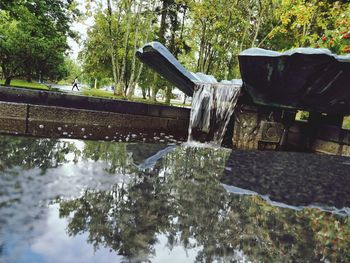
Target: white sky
x=81 y=28
x=75 y=47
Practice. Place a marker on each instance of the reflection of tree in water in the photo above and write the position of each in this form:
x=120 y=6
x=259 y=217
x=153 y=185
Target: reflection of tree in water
x=183 y=199
x=140 y=152
x=114 y=155
x=126 y=218
x=120 y=157
x=29 y=152
x=43 y=153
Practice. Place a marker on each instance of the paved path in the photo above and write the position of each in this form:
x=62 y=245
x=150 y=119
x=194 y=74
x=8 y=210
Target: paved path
x=68 y=89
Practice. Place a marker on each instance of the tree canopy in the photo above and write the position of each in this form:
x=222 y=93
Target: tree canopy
x=33 y=38
x=205 y=35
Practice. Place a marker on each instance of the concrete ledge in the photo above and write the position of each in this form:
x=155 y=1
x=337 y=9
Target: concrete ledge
x=13 y=117
x=59 y=99
x=52 y=121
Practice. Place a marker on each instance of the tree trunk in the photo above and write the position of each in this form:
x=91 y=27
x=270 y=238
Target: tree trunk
x=256 y=32
x=154 y=87
x=163 y=25
x=147 y=36
x=173 y=46
x=131 y=86
x=8 y=81
x=29 y=77
x=154 y=93
x=245 y=32
x=184 y=101
x=111 y=38
x=168 y=95
x=144 y=93
x=121 y=83
x=201 y=47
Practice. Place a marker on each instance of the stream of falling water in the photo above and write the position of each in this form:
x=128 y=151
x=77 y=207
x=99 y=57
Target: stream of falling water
x=212 y=108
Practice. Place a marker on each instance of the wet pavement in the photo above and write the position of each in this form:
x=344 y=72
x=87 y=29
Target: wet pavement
x=68 y=88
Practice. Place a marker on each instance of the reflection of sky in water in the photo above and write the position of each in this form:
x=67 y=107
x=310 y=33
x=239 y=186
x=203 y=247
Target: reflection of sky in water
x=37 y=234
x=54 y=245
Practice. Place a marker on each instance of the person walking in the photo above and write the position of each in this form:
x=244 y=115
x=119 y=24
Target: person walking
x=75 y=83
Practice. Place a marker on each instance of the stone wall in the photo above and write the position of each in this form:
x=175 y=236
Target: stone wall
x=271 y=129
x=52 y=114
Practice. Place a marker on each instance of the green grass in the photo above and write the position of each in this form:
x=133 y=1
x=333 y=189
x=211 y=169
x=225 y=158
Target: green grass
x=147 y=101
x=181 y=105
x=100 y=93
x=110 y=95
x=87 y=92
x=64 y=82
x=346 y=123
x=25 y=84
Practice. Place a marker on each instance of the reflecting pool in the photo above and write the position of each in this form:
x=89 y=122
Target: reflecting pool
x=85 y=201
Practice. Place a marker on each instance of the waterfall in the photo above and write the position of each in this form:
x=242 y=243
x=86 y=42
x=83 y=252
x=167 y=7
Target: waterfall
x=212 y=107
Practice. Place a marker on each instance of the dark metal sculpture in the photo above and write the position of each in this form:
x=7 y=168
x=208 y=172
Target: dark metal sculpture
x=158 y=57
x=304 y=78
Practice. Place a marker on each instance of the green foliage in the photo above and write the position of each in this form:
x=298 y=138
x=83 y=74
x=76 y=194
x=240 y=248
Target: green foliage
x=208 y=35
x=34 y=38
x=346 y=123
x=71 y=70
x=29 y=153
x=204 y=35
x=95 y=54
x=311 y=23
x=100 y=93
x=112 y=41
x=118 y=32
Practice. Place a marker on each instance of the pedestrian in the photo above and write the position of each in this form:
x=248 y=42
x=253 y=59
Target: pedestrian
x=75 y=83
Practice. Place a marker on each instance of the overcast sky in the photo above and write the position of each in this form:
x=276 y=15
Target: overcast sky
x=81 y=28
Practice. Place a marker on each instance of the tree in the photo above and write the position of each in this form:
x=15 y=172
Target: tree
x=309 y=23
x=71 y=69
x=34 y=38
x=29 y=153
x=118 y=31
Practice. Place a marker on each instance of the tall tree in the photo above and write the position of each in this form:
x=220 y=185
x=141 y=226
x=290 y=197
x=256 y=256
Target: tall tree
x=34 y=37
x=115 y=68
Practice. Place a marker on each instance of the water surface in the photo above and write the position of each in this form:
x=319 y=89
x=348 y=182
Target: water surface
x=75 y=201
